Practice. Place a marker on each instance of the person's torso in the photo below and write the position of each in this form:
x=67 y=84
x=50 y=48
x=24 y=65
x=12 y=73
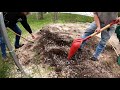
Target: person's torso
x=12 y=18
x=107 y=17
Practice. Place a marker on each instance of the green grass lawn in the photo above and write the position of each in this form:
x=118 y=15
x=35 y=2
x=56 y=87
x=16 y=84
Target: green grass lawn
x=37 y=25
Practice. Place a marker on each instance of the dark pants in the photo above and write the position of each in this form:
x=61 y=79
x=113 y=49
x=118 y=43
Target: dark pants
x=105 y=36
x=17 y=30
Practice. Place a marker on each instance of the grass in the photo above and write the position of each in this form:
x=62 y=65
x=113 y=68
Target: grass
x=48 y=18
x=37 y=25
x=3 y=69
x=66 y=18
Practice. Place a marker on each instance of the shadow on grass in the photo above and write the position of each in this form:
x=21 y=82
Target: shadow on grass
x=4 y=67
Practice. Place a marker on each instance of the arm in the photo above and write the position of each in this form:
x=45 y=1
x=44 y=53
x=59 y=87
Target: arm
x=26 y=26
x=118 y=20
x=97 y=21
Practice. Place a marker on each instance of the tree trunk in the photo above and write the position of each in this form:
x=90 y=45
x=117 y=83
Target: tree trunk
x=40 y=15
x=55 y=18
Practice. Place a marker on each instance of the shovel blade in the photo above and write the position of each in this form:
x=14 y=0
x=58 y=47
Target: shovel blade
x=74 y=47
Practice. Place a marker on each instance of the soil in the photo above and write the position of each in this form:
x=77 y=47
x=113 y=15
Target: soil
x=47 y=56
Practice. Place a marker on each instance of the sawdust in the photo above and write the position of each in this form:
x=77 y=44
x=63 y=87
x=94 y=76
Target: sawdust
x=48 y=54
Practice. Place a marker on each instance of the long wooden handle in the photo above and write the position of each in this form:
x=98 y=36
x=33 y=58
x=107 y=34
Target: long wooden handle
x=22 y=37
x=95 y=33
x=107 y=26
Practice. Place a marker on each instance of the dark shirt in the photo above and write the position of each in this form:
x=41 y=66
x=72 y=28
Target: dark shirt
x=11 y=18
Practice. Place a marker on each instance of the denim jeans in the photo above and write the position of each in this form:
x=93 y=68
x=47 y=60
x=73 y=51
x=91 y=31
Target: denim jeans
x=3 y=46
x=105 y=36
x=17 y=30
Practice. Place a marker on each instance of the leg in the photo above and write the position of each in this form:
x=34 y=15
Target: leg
x=105 y=36
x=3 y=47
x=17 y=30
x=88 y=32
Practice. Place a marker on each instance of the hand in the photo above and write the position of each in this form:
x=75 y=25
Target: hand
x=98 y=29
x=118 y=20
x=33 y=37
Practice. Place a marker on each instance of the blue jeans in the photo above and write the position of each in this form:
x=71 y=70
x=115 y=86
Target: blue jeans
x=105 y=36
x=3 y=46
x=17 y=30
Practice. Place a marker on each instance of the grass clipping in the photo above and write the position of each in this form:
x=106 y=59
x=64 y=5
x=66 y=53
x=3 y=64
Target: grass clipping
x=47 y=56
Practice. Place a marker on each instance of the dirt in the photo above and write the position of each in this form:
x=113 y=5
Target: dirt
x=47 y=56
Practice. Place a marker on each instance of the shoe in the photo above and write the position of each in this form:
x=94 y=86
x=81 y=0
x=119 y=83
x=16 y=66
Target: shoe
x=93 y=59
x=16 y=47
x=5 y=59
x=80 y=50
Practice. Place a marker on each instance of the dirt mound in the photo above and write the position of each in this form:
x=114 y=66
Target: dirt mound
x=51 y=48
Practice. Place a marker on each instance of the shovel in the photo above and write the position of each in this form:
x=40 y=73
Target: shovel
x=77 y=42
x=118 y=55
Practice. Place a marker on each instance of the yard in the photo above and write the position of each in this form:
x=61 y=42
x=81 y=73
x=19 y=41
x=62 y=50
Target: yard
x=47 y=56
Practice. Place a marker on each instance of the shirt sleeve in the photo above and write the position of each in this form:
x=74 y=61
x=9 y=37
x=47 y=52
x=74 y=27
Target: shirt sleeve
x=25 y=24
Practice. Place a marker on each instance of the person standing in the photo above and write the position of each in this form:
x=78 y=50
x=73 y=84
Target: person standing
x=11 y=19
x=101 y=19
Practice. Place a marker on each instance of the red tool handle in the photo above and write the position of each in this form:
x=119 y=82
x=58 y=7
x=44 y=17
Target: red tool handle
x=104 y=28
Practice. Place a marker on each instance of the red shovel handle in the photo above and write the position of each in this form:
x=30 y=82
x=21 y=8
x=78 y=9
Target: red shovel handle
x=107 y=26
x=104 y=28
x=77 y=42
x=114 y=22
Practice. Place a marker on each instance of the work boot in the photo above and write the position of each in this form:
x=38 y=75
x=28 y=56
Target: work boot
x=16 y=47
x=93 y=58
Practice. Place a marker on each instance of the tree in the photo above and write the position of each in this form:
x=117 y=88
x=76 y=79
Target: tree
x=119 y=14
x=40 y=15
x=55 y=17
